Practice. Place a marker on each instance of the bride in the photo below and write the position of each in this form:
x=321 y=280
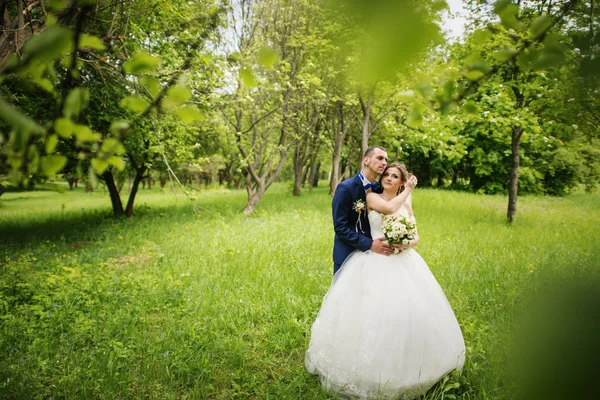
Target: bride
x=385 y=328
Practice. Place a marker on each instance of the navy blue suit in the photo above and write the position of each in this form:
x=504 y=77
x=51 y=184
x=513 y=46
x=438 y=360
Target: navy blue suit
x=347 y=238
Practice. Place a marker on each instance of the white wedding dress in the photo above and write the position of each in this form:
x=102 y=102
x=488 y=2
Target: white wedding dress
x=385 y=329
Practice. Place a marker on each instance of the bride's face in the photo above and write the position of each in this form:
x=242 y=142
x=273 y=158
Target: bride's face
x=392 y=179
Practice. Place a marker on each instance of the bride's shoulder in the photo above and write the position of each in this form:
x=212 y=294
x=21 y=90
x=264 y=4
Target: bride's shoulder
x=373 y=195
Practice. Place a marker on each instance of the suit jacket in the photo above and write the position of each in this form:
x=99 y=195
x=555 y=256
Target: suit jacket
x=348 y=234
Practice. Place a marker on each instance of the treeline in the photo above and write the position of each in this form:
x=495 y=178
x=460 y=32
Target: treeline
x=142 y=93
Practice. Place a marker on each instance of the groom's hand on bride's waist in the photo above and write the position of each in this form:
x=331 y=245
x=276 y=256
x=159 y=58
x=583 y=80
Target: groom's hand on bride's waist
x=381 y=246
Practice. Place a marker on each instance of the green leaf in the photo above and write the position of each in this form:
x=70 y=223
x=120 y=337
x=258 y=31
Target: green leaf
x=56 y=5
x=415 y=118
x=448 y=90
x=447 y=107
x=12 y=60
x=548 y=58
x=527 y=57
x=64 y=127
x=33 y=155
x=117 y=162
x=234 y=57
x=425 y=89
x=22 y=125
x=481 y=36
x=140 y=63
x=152 y=85
x=99 y=165
x=92 y=177
x=112 y=146
x=474 y=75
x=247 y=77
x=48 y=45
x=551 y=55
x=189 y=114
x=119 y=127
x=540 y=25
x=51 y=165
x=475 y=62
x=509 y=18
x=267 y=57
x=51 y=142
x=470 y=107
x=176 y=96
x=134 y=103
x=505 y=54
x=76 y=102
x=51 y=20
x=19 y=121
x=15 y=163
x=92 y=42
x=406 y=96
x=500 y=5
x=84 y=134
x=45 y=84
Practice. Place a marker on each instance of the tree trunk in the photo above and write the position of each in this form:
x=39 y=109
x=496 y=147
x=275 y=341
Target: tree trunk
x=440 y=181
x=305 y=172
x=517 y=131
x=253 y=200
x=115 y=199
x=513 y=185
x=20 y=34
x=335 y=169
x=313 y=177
x=365 y=130
x=139 y=176
x=339 y=134
x=297 y=173
x=365 y=105
x=312 y=168
x=297 y=182
x=3 y=5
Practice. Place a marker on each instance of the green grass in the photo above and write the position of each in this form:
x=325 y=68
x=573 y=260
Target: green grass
x=170 y=304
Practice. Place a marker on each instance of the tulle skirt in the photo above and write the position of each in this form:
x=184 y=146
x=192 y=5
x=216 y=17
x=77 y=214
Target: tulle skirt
x=385 y=329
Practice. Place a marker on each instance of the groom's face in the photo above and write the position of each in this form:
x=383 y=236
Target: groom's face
x=377 y=162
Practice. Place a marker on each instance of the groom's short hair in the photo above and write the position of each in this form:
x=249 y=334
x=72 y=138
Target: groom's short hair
x=371 y=150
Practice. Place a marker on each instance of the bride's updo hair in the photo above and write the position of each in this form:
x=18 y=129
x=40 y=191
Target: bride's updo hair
x=404 y=175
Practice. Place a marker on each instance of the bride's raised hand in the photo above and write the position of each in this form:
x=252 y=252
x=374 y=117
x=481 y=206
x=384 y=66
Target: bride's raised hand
x=411 y=182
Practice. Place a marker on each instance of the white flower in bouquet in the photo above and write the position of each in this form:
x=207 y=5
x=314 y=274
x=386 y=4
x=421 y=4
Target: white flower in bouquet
x=399 y=229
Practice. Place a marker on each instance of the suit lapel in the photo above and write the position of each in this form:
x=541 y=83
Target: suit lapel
x=359 y=188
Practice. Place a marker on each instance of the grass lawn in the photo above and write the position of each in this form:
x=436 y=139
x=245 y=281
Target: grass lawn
x=174 y=304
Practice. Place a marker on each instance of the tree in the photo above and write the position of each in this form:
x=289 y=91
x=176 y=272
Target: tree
x=106 y=135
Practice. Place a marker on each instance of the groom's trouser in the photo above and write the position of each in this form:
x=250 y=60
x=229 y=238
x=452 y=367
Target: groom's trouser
x=336 y=267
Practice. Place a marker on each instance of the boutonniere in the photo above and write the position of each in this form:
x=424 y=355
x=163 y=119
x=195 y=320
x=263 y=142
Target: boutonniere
x=359 y=206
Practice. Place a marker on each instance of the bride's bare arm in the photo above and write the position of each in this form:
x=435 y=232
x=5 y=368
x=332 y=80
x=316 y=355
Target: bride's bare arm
x=375 y=202
x=415 y=240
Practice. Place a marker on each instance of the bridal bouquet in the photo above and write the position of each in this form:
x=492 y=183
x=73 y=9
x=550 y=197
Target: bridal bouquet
x=399 y=229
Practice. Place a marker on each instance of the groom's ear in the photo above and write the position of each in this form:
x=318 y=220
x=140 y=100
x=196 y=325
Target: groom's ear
x=365 y=161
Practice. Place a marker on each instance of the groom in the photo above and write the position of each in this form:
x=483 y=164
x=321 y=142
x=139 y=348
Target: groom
x=350 y=222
